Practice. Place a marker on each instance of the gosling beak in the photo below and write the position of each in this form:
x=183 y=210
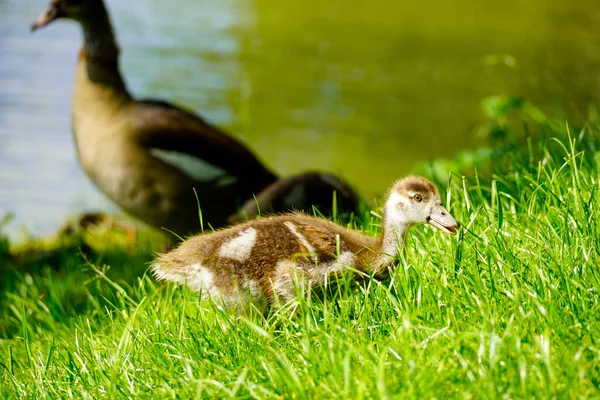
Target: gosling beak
x=52 y=13
x=444 y=221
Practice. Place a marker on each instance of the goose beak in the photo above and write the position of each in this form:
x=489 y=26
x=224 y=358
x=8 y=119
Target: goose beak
x=52 y=13
x=441 y=219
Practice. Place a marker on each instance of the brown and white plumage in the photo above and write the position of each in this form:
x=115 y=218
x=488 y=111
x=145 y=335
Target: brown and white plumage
x=267 y=257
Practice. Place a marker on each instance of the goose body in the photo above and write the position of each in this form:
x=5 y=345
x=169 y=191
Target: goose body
x=267 y=258
x=123 y=146
x=128 y=147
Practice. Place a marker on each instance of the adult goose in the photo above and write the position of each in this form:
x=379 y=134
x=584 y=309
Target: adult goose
x=266 y=258
x=128 y=147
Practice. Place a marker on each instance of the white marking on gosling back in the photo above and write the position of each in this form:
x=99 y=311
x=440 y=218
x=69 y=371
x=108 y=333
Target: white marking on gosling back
x=240 y=247
x=302 y=240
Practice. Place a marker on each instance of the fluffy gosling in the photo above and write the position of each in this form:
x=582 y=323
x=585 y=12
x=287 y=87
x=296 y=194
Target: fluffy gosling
x=267 y=258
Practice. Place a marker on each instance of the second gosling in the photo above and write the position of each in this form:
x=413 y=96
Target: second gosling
x=267 y=258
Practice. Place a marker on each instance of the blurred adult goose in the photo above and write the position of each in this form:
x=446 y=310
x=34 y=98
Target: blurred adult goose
x=268 y=257
x=129 y=147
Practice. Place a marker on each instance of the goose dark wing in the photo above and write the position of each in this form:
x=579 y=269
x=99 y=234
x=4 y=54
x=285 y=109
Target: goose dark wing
x=163 y=127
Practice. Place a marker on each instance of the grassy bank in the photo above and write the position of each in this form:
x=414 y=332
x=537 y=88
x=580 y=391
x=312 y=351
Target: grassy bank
x=508 y=308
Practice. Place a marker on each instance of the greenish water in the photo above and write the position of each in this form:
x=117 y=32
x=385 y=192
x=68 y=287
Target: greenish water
x=364 y=89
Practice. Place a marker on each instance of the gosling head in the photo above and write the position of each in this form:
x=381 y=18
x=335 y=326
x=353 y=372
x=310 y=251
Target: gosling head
x=79 y=10
x=416 y=200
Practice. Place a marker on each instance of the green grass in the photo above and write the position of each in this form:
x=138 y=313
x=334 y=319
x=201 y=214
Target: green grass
x=508 y=308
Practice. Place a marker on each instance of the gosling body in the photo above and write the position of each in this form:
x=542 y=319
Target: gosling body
x=269 y=257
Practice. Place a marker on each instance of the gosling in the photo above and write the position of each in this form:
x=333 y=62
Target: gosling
x=267 y=258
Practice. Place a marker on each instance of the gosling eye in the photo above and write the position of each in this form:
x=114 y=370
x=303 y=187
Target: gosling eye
x=418 y=198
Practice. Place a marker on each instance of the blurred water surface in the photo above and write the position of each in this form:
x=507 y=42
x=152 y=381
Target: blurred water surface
x=363 y=89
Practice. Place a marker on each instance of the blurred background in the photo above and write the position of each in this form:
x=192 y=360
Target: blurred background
x=364 y=89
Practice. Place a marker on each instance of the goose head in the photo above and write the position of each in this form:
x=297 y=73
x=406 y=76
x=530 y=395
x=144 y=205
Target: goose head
x=415 y=200
x=79 y=10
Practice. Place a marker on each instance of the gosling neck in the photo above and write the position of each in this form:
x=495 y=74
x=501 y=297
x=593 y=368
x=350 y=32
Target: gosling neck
x=393 y=237
x=392 y=240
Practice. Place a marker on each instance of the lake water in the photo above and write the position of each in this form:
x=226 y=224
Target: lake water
x=363 y=89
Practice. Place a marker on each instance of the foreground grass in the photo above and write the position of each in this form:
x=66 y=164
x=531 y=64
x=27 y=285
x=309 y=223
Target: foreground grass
x=508 y=308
